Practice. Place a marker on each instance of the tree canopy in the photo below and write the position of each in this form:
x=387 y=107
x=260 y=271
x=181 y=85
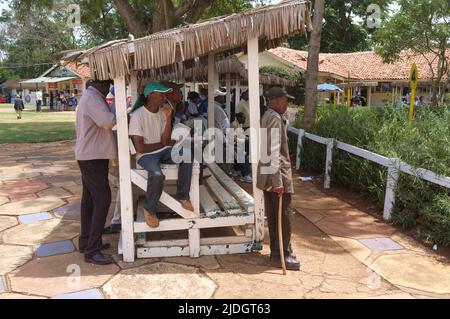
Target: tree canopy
x=422 y=26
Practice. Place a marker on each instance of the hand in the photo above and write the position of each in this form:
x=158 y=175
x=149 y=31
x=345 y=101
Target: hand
x=278 y=190
x=167 y=111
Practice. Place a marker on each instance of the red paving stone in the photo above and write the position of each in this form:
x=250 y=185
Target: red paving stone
x=20 y=197
x=17 y=187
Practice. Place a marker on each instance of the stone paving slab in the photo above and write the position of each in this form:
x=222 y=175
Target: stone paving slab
x=7 y=222
x=86 y=294
x=22 y=197
x=47 y=231
x=355 y=227
x=59 y=275
x=160 y=281
x=21 y=187
x=51 y=249
x=3 y=200
x=381 y=244
x=415 y=271
x=69 y=211
x=33 y=218
x=31 y=206
x=54 y=192
x=18 y=296
x=16 y=175
x=2 y=285
x=13 y=257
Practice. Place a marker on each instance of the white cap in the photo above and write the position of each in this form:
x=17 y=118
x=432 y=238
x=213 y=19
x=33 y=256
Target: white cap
x=219 y=93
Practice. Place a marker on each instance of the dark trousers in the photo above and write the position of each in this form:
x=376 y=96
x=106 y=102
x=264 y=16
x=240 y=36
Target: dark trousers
x=155 y=182
x=95 y=203
x=39 y=106
x=271 y=206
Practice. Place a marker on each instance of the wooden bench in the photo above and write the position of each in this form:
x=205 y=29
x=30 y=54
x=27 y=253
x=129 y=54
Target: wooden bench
x=223 y=205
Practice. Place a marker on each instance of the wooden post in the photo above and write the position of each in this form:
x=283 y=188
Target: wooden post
x=301 y=135
x=369 y=96
x=392 y=179
x=126 y=196
x=253 y=86
x=329 y=162
x=238 y=93
x=133 y=88
x=228 y=103
x=212 y=74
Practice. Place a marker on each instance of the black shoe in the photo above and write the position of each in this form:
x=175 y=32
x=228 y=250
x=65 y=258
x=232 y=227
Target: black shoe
x=113 y=229
x=104 y=247
x=98 y=259
x=290 y=261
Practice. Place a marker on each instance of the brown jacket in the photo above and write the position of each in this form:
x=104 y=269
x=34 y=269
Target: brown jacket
x=273 y=174
x=94 y=123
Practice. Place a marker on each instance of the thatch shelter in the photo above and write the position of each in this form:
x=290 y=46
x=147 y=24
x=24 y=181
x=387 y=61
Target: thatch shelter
x=174 y=54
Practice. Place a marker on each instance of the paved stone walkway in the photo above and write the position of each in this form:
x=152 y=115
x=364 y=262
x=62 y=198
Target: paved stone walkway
x=345 y=253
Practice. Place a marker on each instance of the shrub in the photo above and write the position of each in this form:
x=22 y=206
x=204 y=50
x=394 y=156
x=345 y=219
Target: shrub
x=385 y=131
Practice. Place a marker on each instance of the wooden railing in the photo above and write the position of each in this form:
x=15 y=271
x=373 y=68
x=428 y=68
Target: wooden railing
x=394 y=165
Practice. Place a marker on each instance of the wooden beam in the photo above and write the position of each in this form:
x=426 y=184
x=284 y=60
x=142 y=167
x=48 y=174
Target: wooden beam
x=253 y=83
x=126 y=195
x=233 y=188
x=209 y=206
x=228 y=100
x=212 y=75
x=196 y=223
x=226 y=201
x=133 y=87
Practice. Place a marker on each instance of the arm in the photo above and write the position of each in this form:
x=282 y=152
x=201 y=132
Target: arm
x=101 y=115
x=166 y=137
x=273 y=150
x=142 y=148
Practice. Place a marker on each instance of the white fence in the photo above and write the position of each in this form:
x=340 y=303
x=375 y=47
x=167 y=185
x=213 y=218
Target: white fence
x=394 y=165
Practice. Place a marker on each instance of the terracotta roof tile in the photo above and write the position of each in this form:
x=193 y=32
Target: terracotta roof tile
x=363 y=65
x=81 y=69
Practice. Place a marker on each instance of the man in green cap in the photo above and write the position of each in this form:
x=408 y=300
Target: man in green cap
x=150 y=130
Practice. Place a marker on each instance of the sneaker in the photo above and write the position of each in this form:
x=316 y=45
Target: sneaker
x=98 y=259
x=247 y=179
x=235 y=173
x=151 y=219
x=186 y=204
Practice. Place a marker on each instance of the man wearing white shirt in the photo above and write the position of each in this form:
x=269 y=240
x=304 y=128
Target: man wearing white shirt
x=38 y=101
x=151 y=130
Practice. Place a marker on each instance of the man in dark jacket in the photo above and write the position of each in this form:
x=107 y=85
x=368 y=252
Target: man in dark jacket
x=19 y=106
x=275 y=176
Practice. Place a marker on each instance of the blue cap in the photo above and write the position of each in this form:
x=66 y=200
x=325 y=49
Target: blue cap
x=156 y=87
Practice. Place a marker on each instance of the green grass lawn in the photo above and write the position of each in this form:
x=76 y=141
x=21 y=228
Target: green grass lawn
x=35 y=127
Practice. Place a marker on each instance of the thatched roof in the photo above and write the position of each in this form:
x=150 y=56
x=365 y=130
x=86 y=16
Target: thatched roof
x=174 y=50
x=199 y=73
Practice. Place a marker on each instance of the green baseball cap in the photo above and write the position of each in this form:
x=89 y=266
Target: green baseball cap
x=156 y=87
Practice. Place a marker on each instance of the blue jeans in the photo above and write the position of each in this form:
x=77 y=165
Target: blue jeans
x=155 y=183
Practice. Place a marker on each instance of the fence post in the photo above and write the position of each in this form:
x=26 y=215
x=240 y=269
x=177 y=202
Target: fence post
x=329 y=162
x=392 y=179
x=301 y=135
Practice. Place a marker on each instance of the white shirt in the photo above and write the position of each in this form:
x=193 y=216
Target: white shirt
x=148 y=125
x=221 y=120
x=39 y=95
x=244 y=108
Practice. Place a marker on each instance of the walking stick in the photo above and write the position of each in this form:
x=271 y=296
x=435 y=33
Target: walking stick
x=280 y=232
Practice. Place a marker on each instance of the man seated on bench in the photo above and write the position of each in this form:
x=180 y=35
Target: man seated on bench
x=150 y=130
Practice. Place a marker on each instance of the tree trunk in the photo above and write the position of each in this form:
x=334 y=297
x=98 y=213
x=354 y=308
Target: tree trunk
x=129 y=17
x=313 y=65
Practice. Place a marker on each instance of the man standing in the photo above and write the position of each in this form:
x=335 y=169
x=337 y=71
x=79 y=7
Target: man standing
x=39 y=101
x=19 y=106
x=94 y=148
x=275 y=177
x=244 y=109
x=151 y=130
